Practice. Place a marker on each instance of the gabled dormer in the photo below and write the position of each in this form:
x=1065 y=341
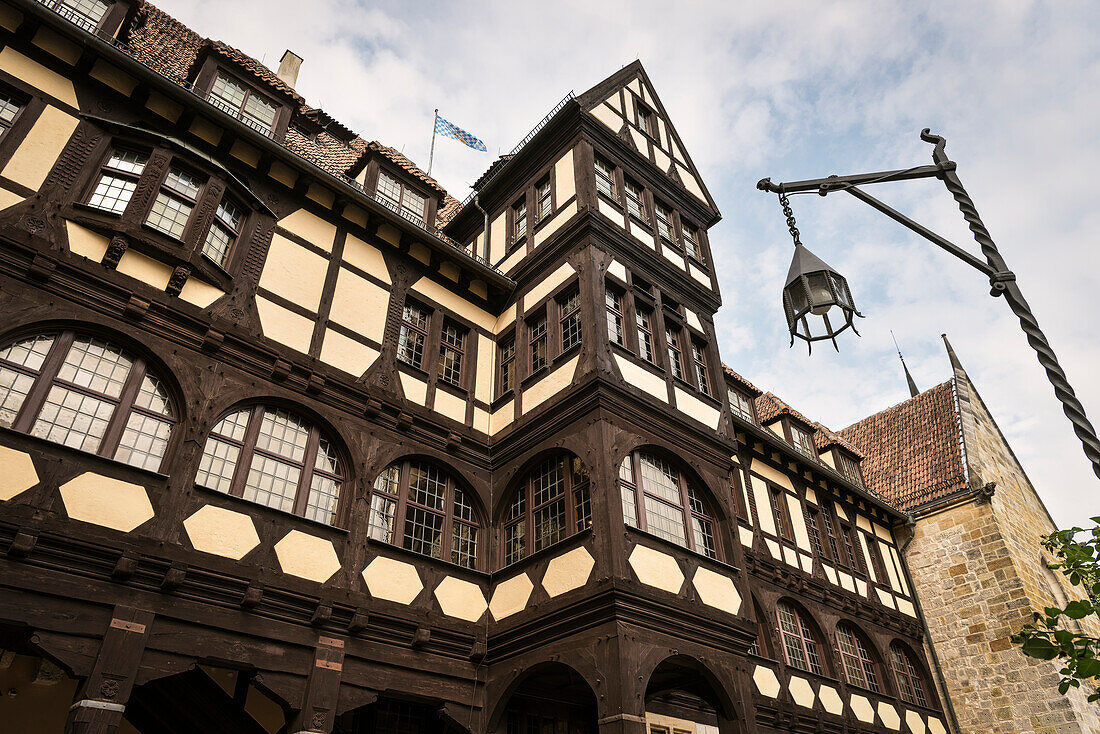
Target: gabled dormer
x=397 y=183
x=95 y=16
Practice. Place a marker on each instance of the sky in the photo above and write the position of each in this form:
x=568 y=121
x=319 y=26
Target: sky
x=790 y=90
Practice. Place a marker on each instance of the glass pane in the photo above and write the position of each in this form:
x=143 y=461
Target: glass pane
x=548 y=481
x=424 y=532
x=233 y=425
x=382 y=511
x=169 y=215
x=283 y=434
x=387 y=481
x=229 y=92
x=14 y=387
x=29 y=353
x=89 y=11
x=583 y=505
x=219 y=460
x=260 y=110
x=388 y=190
x=144 y=442
x=410 y=346
x=9 y=108
x=112 y=193
x=217 y=244
x=153 y=397
x=630 y=506
x=324 y=493
x=515 y=542
x=326 y=460
x=703 y=535
x=659 y=478
x=664 y=520
x=128 y=161
x=272 y=483
x=464 y=545
x=427 y=486
x=73 y=419
x=183 y=182
x=230 y=214
x=549 y=524
x=96 y=365
x=463 y=510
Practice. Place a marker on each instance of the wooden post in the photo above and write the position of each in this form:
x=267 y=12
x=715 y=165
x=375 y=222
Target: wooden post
x=101 y=700
x=322 y=689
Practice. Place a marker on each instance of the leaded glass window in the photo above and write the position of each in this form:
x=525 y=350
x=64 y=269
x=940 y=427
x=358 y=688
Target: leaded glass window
x=855 y=658
x=800 y=646
x=659 y=499
x=551 y=503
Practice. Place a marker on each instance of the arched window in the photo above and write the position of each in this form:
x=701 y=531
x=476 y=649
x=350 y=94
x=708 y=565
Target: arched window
x=658 y=499
x=907 y=675
x=83 y=392
x=855 y=658
x=274 y=457
x=551 y=503
x=435 y=516
x=799 y=641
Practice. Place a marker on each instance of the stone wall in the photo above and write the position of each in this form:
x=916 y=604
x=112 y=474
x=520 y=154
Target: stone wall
x=980 y=575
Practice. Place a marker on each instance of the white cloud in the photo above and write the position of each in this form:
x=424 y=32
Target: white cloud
x=791 y=90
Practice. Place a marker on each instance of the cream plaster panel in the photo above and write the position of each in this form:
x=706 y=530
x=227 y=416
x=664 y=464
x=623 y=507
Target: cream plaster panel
x=827 y=457
x=635 y=86
x=662 y=131
x=483 y=378
x=642 y=378
x=104 y=501
x=611 y=213
x=617 y=269
x=863 y=523
x=10 y=18
x=861 y=587
x=549 y=386
x=307 y=556
x=760 y=494
x=506 y=319
x=502 y=417
x=565 y=177
x=498 y=237
x=889 y=716
x=9 y=198
x=691 y=184
x=392 y=580
x=656 y=569
x=511 y=596
x=692 y=406
x=310 y=228
x=891 y=572
x=514 y=259
x=321 y=195
x=113 y=77
x=699 y=275
x=38 y=76
x=716 y=590
x=773 y=548
x=360 y=305
x=811 y=495
x=798 y=521
x=35 y=156
x=935 y=726
x=846 y=581
x=555 y=224
x=416 y=390
x=674 y=258
x=676 y=152
x=481 y=420
x=615 y=102
x=801 y=691
x=54 y=44
x=766 y=682
x=862 y=708
x=17 y=473
x=420 y=251
x=245 y=153
x=640 y=140
x=221 y=532
x=479 y=289
x=886 y=598
x=146 y=269
x=643 y=236
x=608 y=117
x=355 y=214
x=906 y=607
x=841 y=512
x=693 y=319
x=830 y=573
x=85 y=242
x=461 y=599
x=200 y=293
x=867 y=556
x=772 y=475
x=807 y=562
x=366 y=257
x=284 y=326
x=746 y=536
x=454 y=303
x=914 y=721
x=169 y=110
x=449 y=405
x=893 y=553
x=538 y=294
x=830 y=700
x=389 y=233
x=295 y=273
x=567 y=572
x=661 y=159
x=883 y=533
x=211 y=133
x=790 y=556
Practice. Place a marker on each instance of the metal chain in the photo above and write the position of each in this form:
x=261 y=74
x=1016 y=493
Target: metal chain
x=786 y=204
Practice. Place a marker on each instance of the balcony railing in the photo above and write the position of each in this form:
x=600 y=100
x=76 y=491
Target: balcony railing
x=88 y=26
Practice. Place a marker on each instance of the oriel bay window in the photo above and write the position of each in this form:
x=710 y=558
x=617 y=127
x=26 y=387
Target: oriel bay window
x=551 y=503
x=417 y=504
x=86 y=393
x=248 y=106
x=659 y=499
x=799 y=640
x=118 y=180
x=276 y=458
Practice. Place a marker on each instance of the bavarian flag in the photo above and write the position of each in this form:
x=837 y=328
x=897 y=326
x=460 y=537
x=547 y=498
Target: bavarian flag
x=453 y=131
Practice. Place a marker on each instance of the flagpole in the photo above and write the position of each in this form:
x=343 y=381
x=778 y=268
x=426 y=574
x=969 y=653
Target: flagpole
x=431 y=155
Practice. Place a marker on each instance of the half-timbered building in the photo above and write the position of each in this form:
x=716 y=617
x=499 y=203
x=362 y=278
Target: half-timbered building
x=293 y=441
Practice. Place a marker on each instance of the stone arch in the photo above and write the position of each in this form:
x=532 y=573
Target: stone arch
x=573 y=689
x=682 y=686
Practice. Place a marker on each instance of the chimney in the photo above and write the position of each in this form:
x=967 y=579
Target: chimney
x=288 y=68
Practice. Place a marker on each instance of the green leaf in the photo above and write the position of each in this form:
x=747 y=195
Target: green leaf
x=1038 y=647
x=1078 y=609
x=1088 y=668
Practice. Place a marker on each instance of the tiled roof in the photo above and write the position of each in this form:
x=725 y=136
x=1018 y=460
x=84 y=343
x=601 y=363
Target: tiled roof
x=912 y=450
x=753 y=390
x=824 y=438
x=171 y=48
x=769 y=407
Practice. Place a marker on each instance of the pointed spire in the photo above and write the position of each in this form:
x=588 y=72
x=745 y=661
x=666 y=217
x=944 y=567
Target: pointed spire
x=955 y=363
x=914 y=391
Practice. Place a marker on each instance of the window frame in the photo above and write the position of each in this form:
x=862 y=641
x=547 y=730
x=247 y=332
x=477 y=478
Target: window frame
x=645 y=119
x=398 y=532
x=914 y=676
x=674 y=350
x=700 y=367
x=859 y=655
x=643 y=332
x=576 y=482
x=409 y=327
x=506 y=365
x=534 y=337
x=404 y=187
x=518 y=212
x=19 y=101
x=807 y=450
x=546 y=198
x=614 y=306
x=612 y=179
x=249 y=91
x=123 y=406
x=105 y=168
x=642 y=217
x=164 y=188
x=689 y=495
x=460 y=350
x=739 y=410
x=806 y=637
x=848 y=467
x=567 y=319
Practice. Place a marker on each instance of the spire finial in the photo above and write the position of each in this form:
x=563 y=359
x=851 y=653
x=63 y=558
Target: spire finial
x=914 y=391
x=955 y=363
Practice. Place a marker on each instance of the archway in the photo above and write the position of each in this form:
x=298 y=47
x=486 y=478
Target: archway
x=549 y=698
x=683 y=695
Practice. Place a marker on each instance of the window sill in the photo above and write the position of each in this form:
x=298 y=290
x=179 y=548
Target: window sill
x=614 y=201
x=456 y=390
x=423 y=558
x=641 y=361
x=534 y=377
x=549 y=550
x=249 y=503
x=81 y=206
x=566 y=354
x=684 y=549
x=416 y=370
x=501 y=400
x=146 y=227
x=514 y=245
x=698 y=263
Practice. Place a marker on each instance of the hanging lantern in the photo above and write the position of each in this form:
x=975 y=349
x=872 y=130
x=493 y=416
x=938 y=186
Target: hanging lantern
x=813 y=289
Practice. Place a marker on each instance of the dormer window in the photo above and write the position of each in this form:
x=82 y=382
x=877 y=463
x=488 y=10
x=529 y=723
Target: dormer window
x=740 y=405
x=803 y=442
x=848 y=468
x=251 y=108
x=402 y=199
x=85 y=13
